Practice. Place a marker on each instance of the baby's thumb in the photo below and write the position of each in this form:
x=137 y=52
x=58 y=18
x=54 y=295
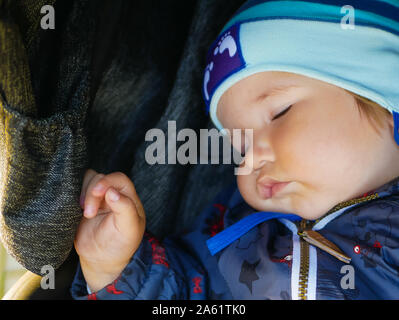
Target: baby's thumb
x=126 y=214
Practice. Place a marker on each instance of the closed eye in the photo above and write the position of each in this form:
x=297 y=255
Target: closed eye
x=282 y=113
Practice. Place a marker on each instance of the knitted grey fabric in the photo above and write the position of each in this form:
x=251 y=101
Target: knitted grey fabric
x=42 y=158
x=83 y=96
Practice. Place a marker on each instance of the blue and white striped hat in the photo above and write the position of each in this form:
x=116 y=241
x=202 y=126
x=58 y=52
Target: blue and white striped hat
x=352 y=44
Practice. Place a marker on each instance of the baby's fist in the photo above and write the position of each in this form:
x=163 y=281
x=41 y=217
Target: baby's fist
x=112 y=226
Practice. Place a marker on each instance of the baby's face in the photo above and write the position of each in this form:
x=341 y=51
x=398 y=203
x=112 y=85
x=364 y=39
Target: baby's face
x=321 y=147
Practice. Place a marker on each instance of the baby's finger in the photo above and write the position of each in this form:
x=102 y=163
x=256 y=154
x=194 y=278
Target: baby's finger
x=92 y=201
x=121 y=183
x=89 y=175
x=127 y=217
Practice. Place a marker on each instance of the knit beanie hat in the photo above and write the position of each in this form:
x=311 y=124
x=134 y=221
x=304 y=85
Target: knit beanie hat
x=355 y=47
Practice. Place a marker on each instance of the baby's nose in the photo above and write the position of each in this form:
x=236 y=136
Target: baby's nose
x=258 y=156
x=258 y=165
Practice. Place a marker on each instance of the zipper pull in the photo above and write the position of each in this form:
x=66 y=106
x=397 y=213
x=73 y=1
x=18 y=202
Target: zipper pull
x=316 y=239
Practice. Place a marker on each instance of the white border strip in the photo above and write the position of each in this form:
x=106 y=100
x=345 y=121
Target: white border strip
x=312 y=275
x=296 y=264
x=322 y=223
x=296 y=257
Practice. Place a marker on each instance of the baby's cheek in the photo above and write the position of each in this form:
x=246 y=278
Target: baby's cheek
x=292 y=153
x=304 y=145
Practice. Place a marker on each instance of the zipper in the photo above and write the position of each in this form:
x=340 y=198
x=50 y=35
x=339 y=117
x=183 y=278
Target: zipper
x=316 y=239
x=304 y=262
x=349 y=203
x=308 y=236
x=303 y=270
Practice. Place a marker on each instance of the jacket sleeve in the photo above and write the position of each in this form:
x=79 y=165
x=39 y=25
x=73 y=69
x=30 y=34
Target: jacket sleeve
x=180 y=267
x=42 y=144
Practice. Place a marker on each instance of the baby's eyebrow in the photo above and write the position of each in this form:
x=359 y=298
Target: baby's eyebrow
x=276 y=91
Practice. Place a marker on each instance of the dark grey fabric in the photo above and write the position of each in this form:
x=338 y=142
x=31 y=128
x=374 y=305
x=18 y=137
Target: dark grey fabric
x=43 y=141
x=83 y=96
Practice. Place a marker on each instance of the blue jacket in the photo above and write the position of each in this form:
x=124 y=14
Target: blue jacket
x=270 y=259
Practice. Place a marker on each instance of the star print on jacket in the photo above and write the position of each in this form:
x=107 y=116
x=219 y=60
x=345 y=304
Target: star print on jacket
x=248 y=273
x=260 y=263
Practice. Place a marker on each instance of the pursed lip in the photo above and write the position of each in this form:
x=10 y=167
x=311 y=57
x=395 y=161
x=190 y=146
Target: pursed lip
x=268 y=187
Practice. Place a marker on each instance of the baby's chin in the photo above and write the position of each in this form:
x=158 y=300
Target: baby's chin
x=272 y=205
x=267 y=205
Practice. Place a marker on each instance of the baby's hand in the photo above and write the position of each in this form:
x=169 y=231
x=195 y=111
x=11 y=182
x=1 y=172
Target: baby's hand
x=111 y=229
